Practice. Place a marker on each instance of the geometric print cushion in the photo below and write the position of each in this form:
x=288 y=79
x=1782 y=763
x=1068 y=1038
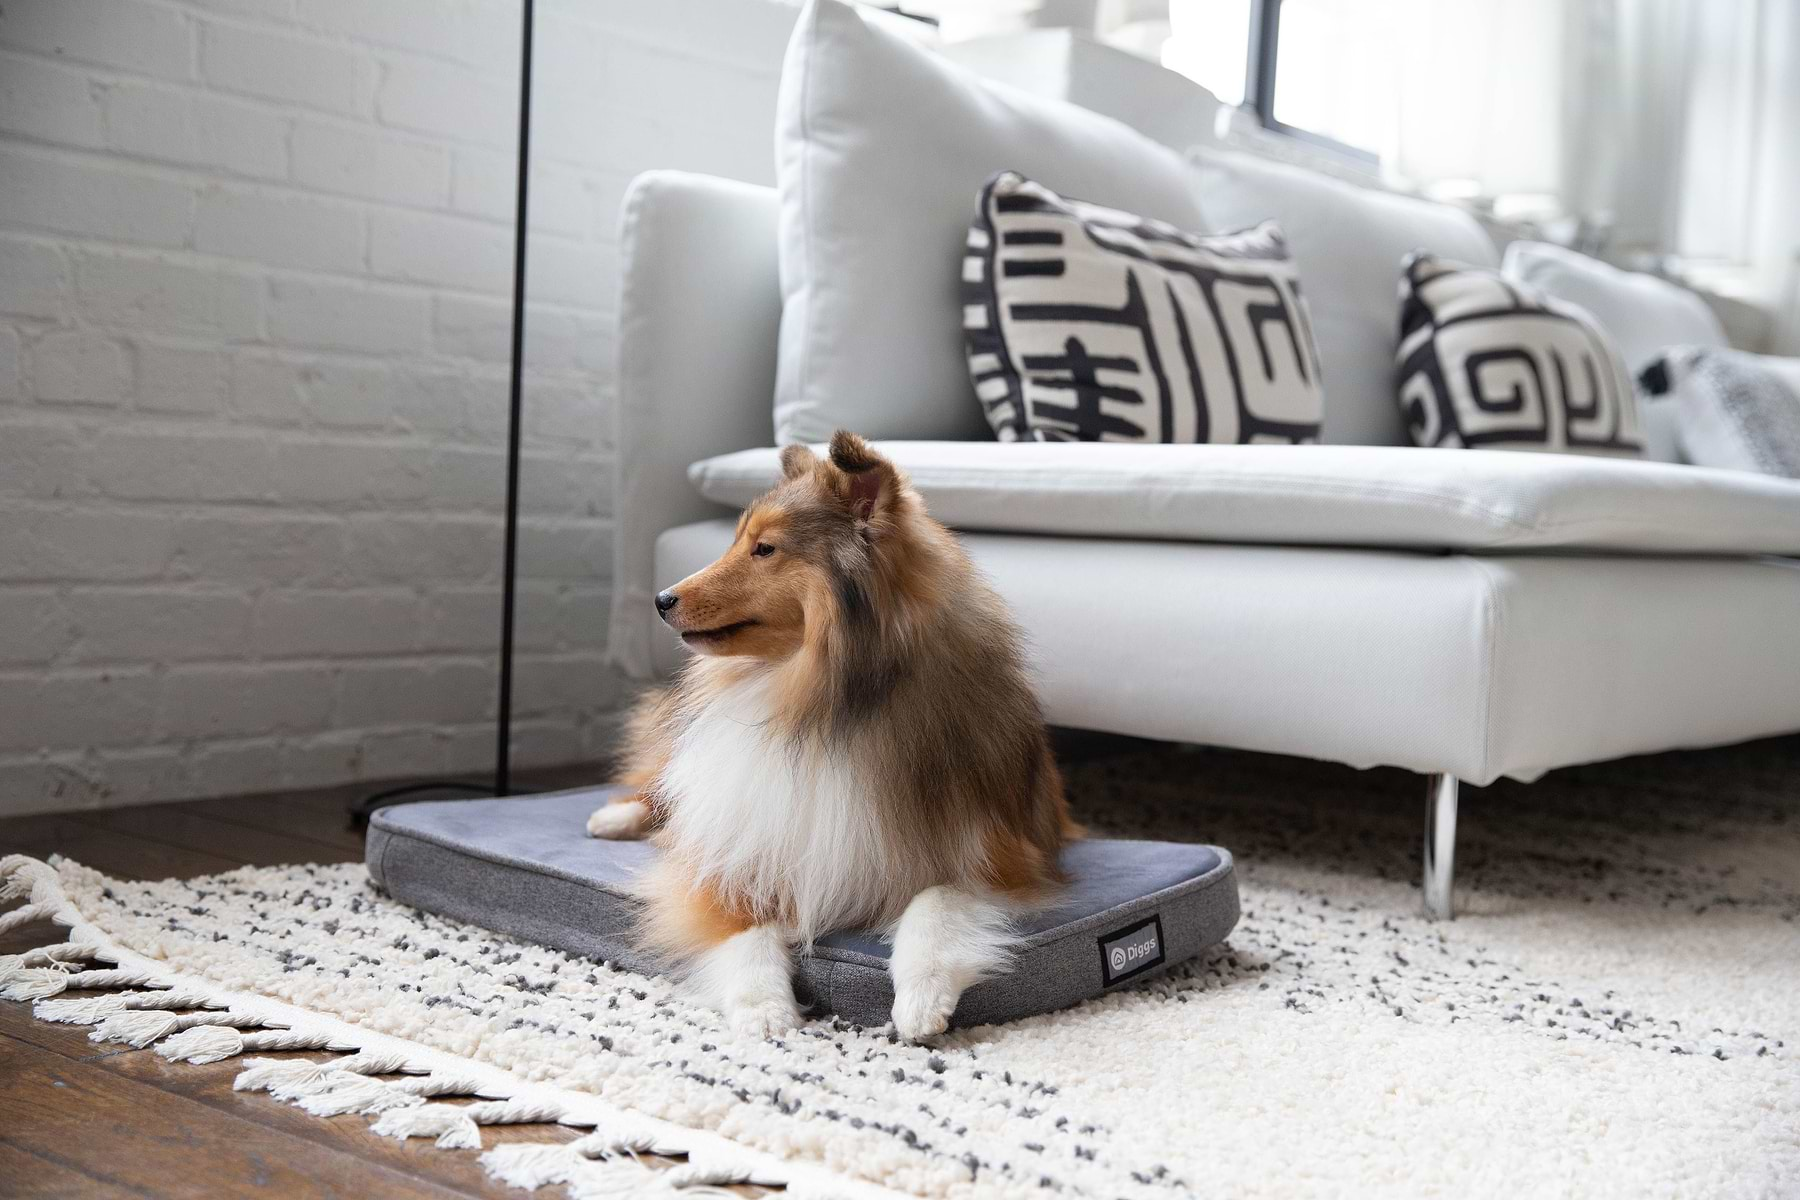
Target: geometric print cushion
x=1084 y=323
x=1729 y=408
x=1489 y=363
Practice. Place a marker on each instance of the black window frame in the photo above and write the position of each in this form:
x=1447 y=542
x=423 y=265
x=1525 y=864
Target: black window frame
x=1259 y=84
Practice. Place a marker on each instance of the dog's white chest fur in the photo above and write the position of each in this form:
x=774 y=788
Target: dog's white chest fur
x=787 y=828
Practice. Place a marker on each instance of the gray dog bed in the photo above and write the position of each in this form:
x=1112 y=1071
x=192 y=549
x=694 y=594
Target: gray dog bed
x=525 y=867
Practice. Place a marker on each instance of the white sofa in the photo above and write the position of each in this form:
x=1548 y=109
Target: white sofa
x=1463 y=614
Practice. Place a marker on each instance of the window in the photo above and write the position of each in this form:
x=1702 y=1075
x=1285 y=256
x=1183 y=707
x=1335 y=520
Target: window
x=1336 y=71
x=1292 y=62
x=1461 y=95
x=1646 y=120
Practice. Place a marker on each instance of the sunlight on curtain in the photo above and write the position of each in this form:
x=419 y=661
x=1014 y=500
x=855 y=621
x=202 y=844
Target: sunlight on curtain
x=1339 y=70
x=1718 y=169
x=1461 y=94
x=1209 y=42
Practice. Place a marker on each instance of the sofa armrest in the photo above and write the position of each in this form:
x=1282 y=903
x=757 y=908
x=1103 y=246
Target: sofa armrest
x=699 y=322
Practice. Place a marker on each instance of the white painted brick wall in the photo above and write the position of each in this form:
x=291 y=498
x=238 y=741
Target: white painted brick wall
x=254 y=265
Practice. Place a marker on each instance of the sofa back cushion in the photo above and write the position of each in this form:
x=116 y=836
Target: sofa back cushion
x=1642 y=314
x=1347 y=243
x=1089 y=324
x=881 y=151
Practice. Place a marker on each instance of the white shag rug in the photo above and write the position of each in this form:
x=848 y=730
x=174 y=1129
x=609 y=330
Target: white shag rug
x=1615 y=1011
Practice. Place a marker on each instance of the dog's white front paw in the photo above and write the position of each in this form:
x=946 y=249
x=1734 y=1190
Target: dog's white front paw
x=748 y=977
x=622 y=822
x=922 y=1007
x=763 y=1016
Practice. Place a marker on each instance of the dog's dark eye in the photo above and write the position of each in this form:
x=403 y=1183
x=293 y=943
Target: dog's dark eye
x=762 y=550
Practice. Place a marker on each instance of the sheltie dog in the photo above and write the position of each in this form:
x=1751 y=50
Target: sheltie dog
x=856 y=745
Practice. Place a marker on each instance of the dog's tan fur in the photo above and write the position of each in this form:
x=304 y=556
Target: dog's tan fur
x=889 y=651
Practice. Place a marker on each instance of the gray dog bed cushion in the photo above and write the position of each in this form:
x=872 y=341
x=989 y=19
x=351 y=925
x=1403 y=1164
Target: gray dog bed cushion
x=525 y=867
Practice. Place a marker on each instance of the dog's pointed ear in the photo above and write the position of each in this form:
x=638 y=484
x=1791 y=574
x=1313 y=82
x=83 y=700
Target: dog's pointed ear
x=797 y=460
x=872 y=485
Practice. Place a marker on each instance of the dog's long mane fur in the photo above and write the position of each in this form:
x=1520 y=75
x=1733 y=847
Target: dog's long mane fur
x=898 y=745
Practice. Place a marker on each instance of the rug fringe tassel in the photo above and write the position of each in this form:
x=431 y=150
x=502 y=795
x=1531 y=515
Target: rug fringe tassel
x=215 y=1043
x=41 y=983
x=284 y=1079
x=203 y=1044
x=89 y=1011
x=46 y=956
x=26 y=915
x=15 y=881
x=601 y=1166
x=450 y=1125
x=287 y=1079
x=527 y=1166
x=629 y=1177
x=95 y=1009
x=439 y=1083
x=350 y=1093
x=140 y=1028
x=458 y=1127
x=707 y=1178
x=22 y=877
x=586 y=1176
x=629 y=1142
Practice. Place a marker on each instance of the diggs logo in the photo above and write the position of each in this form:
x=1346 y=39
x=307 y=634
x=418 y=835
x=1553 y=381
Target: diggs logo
x=1132 y=950
x=1122 y=956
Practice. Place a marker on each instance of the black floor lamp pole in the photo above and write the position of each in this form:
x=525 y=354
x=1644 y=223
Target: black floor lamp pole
x=502 y=785
x=510 y=556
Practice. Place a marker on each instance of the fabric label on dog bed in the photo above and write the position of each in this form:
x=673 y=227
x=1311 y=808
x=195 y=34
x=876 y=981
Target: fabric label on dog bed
x=1131 y=951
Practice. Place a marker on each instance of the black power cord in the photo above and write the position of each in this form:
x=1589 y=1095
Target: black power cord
x=414 y=793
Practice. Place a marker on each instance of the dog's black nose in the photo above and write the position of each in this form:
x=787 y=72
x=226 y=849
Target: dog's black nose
x=665 y=601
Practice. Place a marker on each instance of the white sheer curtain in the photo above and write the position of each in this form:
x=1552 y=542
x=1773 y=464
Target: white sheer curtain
x=1629 y=75
x=1726 y=125
x=1665 y=125
x=1479 y=99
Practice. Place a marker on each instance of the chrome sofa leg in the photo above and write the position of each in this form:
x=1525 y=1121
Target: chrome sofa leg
x=1440 y=845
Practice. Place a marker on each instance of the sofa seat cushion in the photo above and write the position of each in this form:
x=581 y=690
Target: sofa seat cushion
x=1475 y=665
x=1381 y=496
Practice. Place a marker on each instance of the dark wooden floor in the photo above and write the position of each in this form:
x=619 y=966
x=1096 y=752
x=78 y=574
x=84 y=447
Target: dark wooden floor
x=78 y=1119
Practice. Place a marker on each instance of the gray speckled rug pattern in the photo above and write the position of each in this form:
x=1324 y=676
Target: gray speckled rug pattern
x=1615 y=1012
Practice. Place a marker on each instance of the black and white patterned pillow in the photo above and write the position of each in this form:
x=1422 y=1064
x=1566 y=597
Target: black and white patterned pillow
x=1729 y=408
x=1085 y=323
x=1488 y=363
